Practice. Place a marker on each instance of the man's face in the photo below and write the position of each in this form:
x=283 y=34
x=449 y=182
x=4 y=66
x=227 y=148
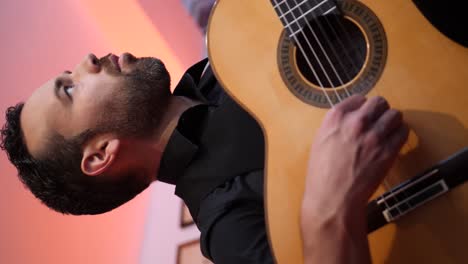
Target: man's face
x=116 y=94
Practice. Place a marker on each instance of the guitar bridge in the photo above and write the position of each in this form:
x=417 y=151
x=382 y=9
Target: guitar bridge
x=417 y=191
x=403 y=207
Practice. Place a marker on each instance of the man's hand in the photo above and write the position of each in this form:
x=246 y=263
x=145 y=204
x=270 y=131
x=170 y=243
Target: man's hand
x=353 y=150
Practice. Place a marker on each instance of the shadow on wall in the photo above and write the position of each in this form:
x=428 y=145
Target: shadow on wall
x=200 y=11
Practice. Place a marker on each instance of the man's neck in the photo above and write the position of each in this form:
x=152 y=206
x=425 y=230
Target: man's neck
x=177 y=106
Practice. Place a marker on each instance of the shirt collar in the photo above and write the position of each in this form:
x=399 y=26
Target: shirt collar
x=177 y=155
x=190 y=81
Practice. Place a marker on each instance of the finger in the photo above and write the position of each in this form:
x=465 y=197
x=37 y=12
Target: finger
x=386 y=125
x=351 y=103
x=362 y=119
x=373 y=109
x=397 y=140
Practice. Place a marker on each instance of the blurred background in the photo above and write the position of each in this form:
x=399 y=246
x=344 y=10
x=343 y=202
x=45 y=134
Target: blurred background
x=41 y=38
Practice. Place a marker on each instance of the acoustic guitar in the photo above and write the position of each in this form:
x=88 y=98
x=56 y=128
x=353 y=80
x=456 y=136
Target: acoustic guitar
x=289 y=61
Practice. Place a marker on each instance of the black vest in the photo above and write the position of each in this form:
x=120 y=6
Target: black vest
x=229 y=143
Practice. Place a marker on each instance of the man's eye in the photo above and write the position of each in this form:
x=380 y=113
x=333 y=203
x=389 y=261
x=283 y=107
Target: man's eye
x=68 y=89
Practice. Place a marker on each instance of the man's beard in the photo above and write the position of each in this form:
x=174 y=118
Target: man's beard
x=137 y=109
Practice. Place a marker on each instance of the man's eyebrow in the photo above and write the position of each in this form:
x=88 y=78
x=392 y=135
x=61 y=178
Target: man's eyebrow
x=67 y=72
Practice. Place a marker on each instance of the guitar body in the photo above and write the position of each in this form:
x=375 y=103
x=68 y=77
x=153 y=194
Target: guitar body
x=425 y=75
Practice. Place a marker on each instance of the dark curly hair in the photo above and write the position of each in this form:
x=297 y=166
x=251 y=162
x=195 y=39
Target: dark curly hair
x=56 y=177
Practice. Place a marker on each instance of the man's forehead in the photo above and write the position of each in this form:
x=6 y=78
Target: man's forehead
x=42 y=90
x=34 y=117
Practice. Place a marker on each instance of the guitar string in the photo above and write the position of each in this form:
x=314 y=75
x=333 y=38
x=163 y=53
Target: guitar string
x=327 y=56
x=280 y=10
x=304 y=17
x=315 y=74
x=385 y=181
x=346 y=35
x=296 y=21
x=339 y=41
x=318 y=60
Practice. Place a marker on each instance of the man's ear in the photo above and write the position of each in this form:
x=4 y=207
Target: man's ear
x=99 y=154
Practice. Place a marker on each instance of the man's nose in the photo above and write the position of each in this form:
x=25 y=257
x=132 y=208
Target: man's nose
x=89 y=64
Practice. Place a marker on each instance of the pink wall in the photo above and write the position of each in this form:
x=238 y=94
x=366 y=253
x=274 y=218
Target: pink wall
x=42 y=38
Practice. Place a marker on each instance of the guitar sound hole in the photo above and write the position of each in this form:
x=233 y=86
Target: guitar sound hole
x=341 y=50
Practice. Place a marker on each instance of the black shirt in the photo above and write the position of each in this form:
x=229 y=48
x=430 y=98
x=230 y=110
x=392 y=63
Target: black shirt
x=227 y=206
